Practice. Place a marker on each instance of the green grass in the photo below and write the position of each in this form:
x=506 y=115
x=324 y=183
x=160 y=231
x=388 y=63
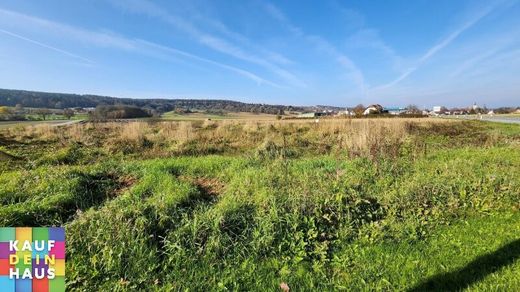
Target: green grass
x=446 y=219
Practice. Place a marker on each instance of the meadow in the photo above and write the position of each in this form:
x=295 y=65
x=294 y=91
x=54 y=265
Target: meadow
x=339 y=204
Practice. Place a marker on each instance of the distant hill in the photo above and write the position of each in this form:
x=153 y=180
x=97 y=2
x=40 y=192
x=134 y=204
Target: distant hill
x=37 y=99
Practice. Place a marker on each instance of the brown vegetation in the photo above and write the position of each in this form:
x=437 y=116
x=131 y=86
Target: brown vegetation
x=356 y=137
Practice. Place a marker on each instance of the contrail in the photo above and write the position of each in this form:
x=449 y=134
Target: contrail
x=439 y=46
x=46 y=46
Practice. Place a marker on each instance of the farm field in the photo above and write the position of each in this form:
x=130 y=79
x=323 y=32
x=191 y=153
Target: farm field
x=14 y=124
x=510 y=118
x=225 y=116
x=345 y=204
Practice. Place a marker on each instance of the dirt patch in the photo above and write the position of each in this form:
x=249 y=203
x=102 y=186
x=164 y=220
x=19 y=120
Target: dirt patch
x=209 y=186
x=124 y=183
x=206 y=185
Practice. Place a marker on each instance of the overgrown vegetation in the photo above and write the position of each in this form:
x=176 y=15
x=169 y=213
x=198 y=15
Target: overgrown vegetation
x=385 y=204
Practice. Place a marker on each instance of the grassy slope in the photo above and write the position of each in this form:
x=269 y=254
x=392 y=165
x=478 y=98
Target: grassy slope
x=452 y=258
x=269 y=240
x=254 y=221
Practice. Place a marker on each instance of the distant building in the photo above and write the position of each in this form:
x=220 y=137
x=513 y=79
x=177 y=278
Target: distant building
x=311 y=115
x=437 y=109
x=346 y=112
x=395 y=110
x=373 y=109
x=459 y=112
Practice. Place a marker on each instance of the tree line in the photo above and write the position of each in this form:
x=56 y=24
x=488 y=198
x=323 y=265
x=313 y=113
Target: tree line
x=34 y=99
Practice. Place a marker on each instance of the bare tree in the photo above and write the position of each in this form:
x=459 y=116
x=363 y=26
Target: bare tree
x=413 y=109
x=359 y=109
x=68 y=113
x=43 y=113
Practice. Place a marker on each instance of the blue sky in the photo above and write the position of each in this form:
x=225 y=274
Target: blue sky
x=297 y=52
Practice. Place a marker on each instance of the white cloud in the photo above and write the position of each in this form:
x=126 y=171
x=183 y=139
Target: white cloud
x=108 y=40
x=321 y=44
x=88 y=61
x=218 y=44
x=440 y=45
x=102 y=39
x=370 y=38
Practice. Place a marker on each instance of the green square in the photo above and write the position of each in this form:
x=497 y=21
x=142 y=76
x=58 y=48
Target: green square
x=21 y=263
x=57 y=284
x=7 y=233
x=40 y=233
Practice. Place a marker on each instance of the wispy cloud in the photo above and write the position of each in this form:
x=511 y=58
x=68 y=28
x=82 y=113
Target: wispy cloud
x=219 y=27
x=354 y=73
x=110 y=40
x=441 y=45
x=211 y=41
x=89 y=37
x=88 y=61
x=475 y=53
x=370 y=38
x=239 y=71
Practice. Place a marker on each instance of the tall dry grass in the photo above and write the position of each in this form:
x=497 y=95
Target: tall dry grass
x=359 y=137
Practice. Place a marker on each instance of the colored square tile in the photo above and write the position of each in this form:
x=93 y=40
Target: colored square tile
x=40 y=233
x=50 y=260
x=39 y=269
x=57 y=284
x=40 y=263
x=40 y=285
x=5 y=250
x=24 y=260
x=40 y=248
x=56 y=233
x=4 y=267
x=23 y=234
x=44 y=260
x=6 y=284
x=7 y=233
x=58 y=250
x=59 y=267
x=23 y=285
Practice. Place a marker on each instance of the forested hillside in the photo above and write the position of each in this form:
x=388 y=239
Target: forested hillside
x=64 y=100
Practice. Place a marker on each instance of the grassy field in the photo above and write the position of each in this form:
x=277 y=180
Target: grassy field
x=201 y=116
x=366 y=204
x=33 y=120
x=23 y=124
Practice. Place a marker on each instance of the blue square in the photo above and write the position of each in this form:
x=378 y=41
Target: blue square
x=41 y=254
x=6 y=284
x=23 y=285
x=57 y=233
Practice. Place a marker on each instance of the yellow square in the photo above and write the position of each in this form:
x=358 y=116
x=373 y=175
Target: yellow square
x=24 y=258
x=23 y=234
x=59 y=267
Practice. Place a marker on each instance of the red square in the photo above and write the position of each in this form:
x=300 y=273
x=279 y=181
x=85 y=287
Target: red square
x=40 y=285
x=4 y=267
